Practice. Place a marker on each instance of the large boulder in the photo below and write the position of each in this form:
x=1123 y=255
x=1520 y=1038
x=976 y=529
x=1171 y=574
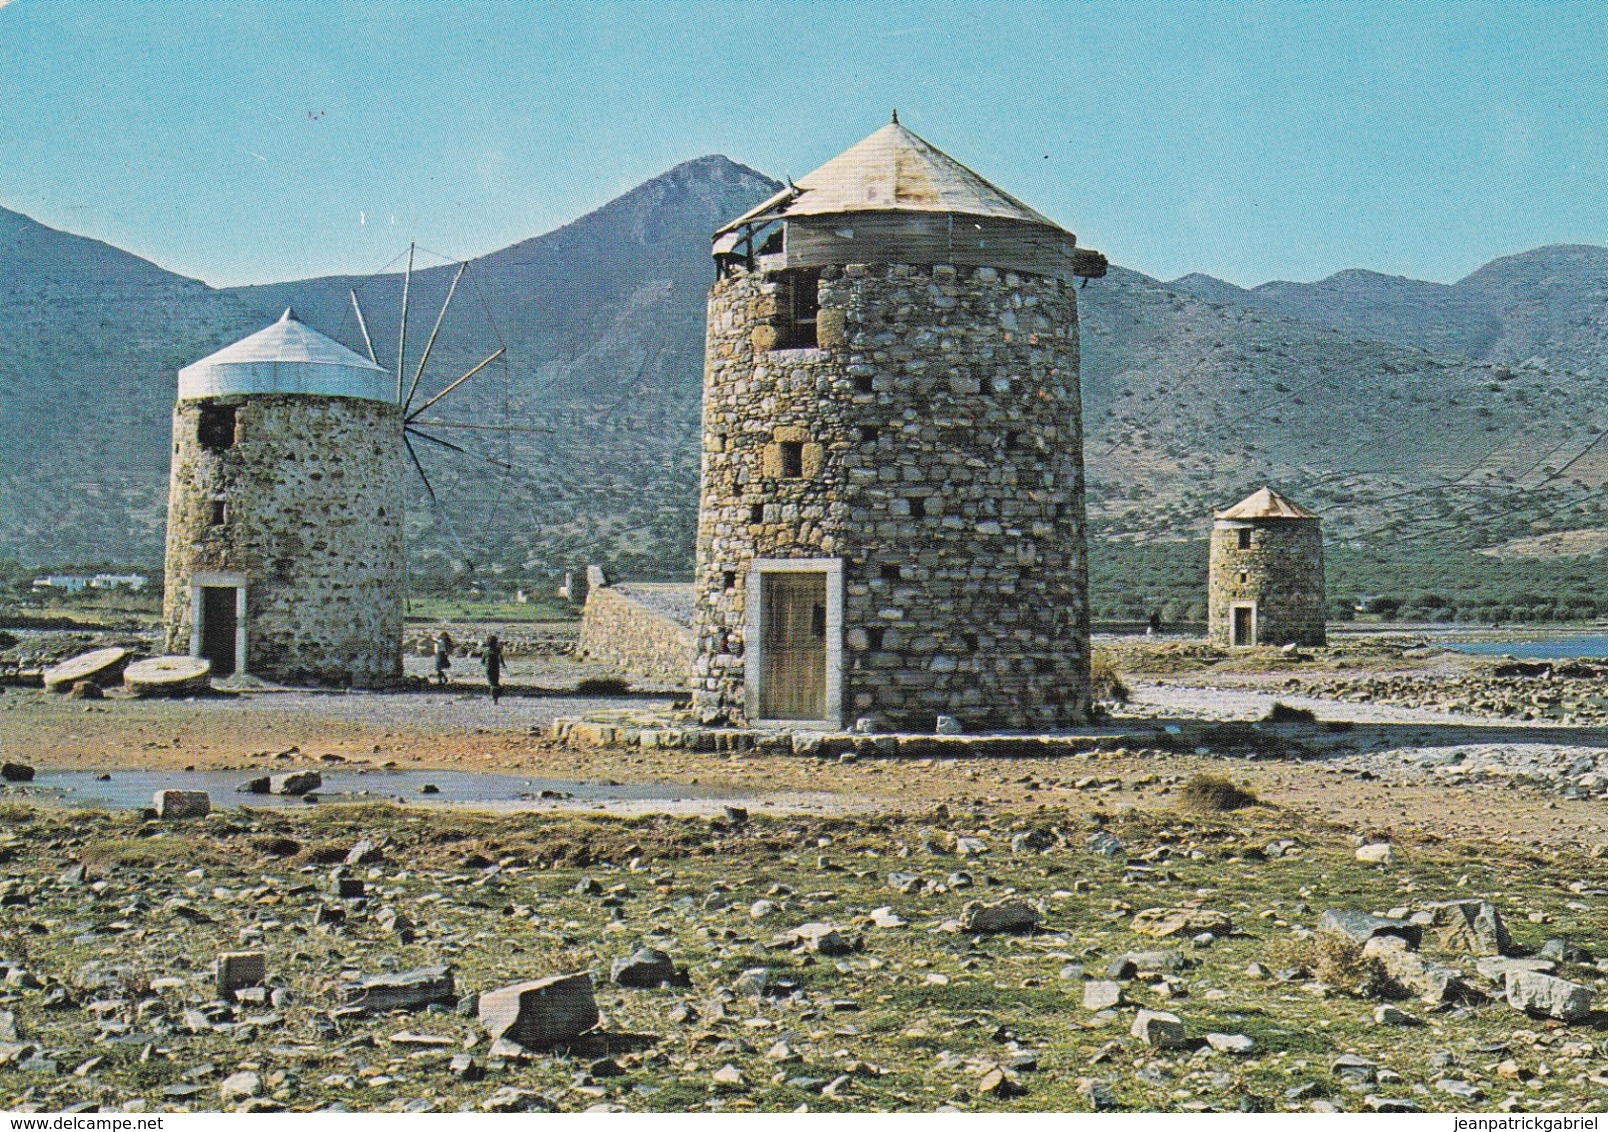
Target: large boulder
x=1474 y=926
x=542 y=1012
x=824 y=939
x=16 y=772
x=173 y=805
x=1535 y=993
x=237 y=969
x=1431 y=982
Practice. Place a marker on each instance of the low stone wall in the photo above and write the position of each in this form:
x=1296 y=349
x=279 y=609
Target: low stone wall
x=642 y=629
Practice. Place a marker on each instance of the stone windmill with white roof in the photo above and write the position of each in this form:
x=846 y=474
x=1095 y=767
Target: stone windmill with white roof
x=285 y=547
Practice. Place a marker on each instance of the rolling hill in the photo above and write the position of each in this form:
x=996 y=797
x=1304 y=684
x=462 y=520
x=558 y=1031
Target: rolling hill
x=1468 y=414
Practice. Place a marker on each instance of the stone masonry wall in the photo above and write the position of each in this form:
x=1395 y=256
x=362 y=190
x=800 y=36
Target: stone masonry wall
x=1282 y=572
x=941 y=449
x=313 y=491
x=620 y=628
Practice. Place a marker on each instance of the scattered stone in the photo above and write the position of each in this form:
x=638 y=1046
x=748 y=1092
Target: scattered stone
x=1432 y=982
x=1351 y=1067
x=1360 y=927
x=1462 y=1090
x=997 y=1082
x=1535 y=993
x=1390 y=1104
x=176 y=805
x=466 y=1068
x=886 y=917
x=1379 y=853
x=1474 y=926
x=824 y=939
x=1562 y=951
x=1006 y=916
x=510 y=1099
x=646 y=968
x=295 y=783
x=1241 y=1045
x=1164 y=922
x=410 y=990
x=728 y=1075
x=1159 y=1029
x=1496 y=967
x=237 y=969
x=239 y=1087
x=1391 y=1016
x=542 y=1012
x=1101 y=994
x=365 y=852
x=1100 y=1095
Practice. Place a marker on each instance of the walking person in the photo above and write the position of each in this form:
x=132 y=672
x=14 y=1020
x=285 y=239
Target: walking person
x=443 y=657
x=491 y=656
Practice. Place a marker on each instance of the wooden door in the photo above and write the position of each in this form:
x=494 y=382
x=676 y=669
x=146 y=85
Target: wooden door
x=793 y=646
x=219 y=628
x=1244 y=625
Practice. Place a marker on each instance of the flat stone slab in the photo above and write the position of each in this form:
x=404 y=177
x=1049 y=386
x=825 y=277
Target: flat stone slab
x=1547 y=995
x=410 y=990
x=174 y=805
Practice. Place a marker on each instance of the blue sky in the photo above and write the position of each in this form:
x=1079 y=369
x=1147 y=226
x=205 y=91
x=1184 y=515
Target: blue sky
x=247 y=142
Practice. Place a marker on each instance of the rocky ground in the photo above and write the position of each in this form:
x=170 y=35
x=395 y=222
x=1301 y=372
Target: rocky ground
x=1129 y=947
x=959 y=957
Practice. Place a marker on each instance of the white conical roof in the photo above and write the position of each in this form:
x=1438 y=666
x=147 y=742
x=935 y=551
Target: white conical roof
x=893 y=170
x=287 y=357
x=1266 y=504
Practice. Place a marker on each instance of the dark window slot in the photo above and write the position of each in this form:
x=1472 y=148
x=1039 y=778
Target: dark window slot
x=792 y=459
x=216 y=429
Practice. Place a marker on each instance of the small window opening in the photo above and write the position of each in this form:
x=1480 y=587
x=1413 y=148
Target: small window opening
x=1244 y=577
x=216 y=429
x=1013 y=441
x=862 y=382
x=1245 y=538
x=918 y=507
x=728 y=581
x=1043 y=665
x=869 y=434
x=971 y=641
x=756 y=513
x=220 y=512
x=800 y=302
x=874 y=636
x=792 y=459
x=890 y=572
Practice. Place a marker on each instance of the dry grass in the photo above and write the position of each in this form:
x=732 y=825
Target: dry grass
x=1284 y=713
x=1104 y=680
x=1336 y=960
x=1211 y=794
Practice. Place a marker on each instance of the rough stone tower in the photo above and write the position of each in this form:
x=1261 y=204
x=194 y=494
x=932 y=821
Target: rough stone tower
x=284 y=538
x=1266 y=574
x=892 y=514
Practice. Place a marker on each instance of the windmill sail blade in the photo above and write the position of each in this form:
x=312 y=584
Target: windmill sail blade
x=402 y=336
x=500 y=352
x=429 y=344
x=362 y=325
x=460 y=449
x=441 y=512
x=436 y=422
